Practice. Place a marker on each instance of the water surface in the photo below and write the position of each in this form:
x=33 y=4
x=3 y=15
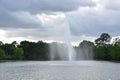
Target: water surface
x=60 y=70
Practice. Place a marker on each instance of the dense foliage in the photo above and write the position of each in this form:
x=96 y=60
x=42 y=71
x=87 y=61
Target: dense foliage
x=24 y=51
x=101 y=49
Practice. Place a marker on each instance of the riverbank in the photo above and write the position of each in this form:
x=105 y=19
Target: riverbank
x=8 y=61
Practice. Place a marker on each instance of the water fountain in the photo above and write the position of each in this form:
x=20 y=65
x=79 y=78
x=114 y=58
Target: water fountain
x=62 y=50
x=59 y=30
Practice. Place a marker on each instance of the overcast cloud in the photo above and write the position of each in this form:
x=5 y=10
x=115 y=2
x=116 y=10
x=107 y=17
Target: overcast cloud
x=49 y=19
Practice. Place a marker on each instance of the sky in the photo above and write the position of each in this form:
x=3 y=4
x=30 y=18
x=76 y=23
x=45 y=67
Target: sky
x=53 y=20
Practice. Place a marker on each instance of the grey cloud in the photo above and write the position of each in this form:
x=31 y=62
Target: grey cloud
x=113 y=5
x=94 y=23
x=35 y=6
x=34 y=33
x=18 y=13
x=17 y=19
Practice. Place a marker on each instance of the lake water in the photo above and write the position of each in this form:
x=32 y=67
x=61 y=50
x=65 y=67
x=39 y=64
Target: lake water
x=61 y=70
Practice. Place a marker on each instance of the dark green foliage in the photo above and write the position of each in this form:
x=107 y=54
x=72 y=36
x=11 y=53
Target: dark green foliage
x=35 y=51
x=101 y=47
x=103 y=50
x=114 y=50
x=2 y=54
x=101 y=53
x=25 y=50
x=18 y=54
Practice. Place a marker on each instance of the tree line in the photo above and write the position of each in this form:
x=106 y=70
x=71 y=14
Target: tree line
x=26 y=50
x=101 y=49
x=105 y=49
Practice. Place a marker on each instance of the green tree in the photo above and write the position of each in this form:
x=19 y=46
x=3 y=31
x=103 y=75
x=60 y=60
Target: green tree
x=101 y=53
x=114 y=52
x=35 y=51
x=14 y=44
x=103 y=40
x=2 y=54
x=101 y=46
x=116 y=42
x=18 y=54
x=114 y=49
x=1 y=43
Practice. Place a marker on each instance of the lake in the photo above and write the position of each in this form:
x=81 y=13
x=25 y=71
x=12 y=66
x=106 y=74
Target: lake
x=60 y=70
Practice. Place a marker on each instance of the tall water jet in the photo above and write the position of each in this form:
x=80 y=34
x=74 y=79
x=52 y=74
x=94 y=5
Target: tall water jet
x=61 y=33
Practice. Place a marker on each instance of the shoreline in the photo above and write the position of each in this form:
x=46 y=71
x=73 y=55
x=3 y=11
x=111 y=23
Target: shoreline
x=2 y=61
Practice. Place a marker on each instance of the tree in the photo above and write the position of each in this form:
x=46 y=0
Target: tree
x=86 y=48
x=114 y=52
x=101 y=48
x=116 y=42
x=18 y=54
x=2 y=54
x=101 y=53
x=114 y=49
x=35 y=51
x=103 y=40
x=1 y=43
x=14 y=43
x=8 y=48
x=26 y=48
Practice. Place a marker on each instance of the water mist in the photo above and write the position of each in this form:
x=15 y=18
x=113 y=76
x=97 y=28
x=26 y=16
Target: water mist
x=62 y=48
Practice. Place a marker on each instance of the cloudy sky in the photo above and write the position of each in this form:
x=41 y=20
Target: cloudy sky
x=52 y=20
